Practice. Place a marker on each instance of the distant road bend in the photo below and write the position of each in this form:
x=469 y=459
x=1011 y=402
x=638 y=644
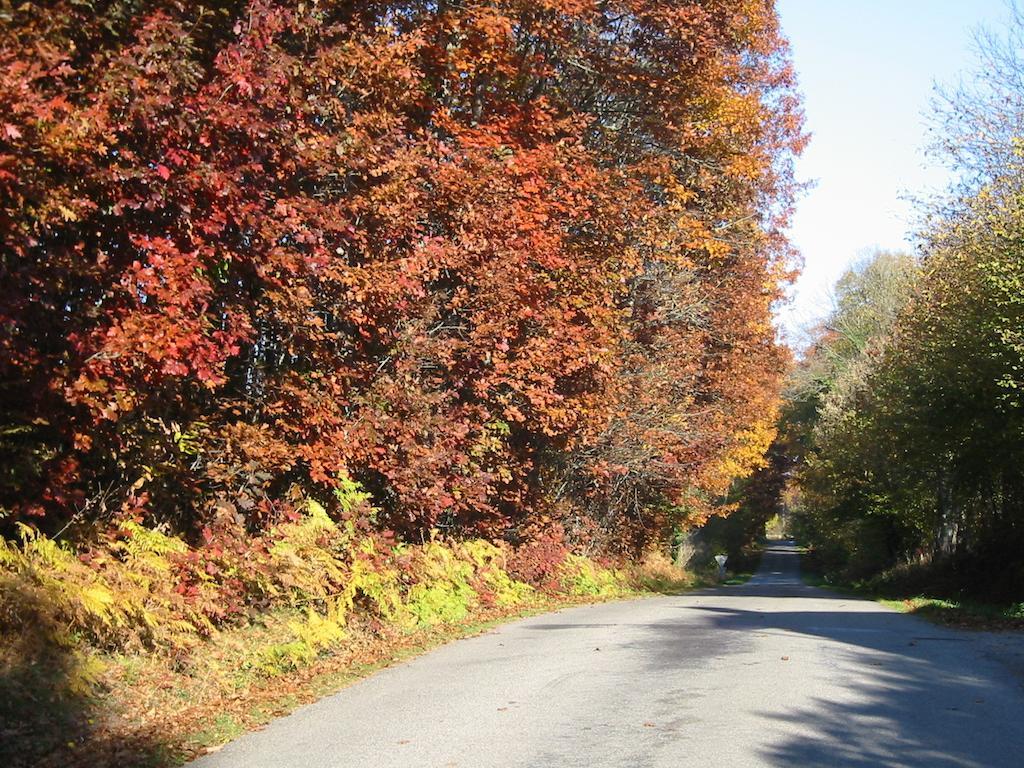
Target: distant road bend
x=771 y=673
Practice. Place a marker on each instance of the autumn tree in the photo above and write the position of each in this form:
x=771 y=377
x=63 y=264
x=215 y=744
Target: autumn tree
x=499 y=262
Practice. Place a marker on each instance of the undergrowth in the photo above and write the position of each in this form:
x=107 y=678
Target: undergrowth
x=131 y=648
x=928 y=590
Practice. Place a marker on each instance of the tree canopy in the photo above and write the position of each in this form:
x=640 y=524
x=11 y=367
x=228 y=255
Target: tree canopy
x=505 y=264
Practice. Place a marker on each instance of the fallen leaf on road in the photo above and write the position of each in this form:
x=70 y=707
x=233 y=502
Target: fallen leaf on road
x=785 y=658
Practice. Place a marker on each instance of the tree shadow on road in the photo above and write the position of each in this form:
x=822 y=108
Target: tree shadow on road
x=899 y=692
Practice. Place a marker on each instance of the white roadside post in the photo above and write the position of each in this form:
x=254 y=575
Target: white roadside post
x=720 y=559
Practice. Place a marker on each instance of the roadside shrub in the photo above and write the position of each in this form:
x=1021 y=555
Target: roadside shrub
x=538 y=561
x=452 y=578
x=492 y=582
x=583 y=577
x=314 y=634
x=141 y=588
x=657 y=573
x=117 y=598
x=442 y=593
x=308 y=556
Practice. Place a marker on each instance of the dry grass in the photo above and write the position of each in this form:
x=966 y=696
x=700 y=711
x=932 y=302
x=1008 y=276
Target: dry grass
x=657 y=573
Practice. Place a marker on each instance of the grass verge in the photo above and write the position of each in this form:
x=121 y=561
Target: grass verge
x=735 y=579
x=910 y=595
x=964 y=614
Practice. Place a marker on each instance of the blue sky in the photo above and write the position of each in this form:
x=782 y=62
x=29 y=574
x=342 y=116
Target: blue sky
x=867 y=69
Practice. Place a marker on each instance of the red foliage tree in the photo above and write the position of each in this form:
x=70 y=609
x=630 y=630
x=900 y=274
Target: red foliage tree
x=486 y=258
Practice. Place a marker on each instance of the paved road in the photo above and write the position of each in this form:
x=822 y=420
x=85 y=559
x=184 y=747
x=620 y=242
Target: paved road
x=772 y=673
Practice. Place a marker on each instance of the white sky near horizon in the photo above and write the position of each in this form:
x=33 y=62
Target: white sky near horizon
x=867 y=71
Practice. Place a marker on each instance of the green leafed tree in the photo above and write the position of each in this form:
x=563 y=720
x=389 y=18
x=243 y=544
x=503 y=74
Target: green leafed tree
x=908 y=408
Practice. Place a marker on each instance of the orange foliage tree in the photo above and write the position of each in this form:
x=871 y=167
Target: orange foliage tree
x=501 y=262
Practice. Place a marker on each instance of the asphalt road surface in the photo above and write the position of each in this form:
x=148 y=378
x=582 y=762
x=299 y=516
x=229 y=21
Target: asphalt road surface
x=771 y=673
